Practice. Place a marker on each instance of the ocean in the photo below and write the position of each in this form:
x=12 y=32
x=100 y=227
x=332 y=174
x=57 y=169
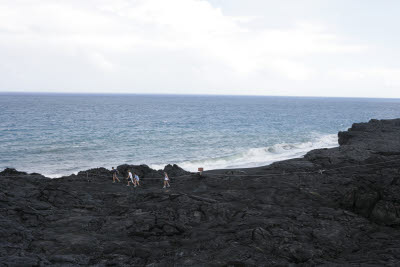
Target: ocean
x=61 y=134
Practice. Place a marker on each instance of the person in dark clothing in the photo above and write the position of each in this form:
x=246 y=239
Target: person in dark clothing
x=114 y=174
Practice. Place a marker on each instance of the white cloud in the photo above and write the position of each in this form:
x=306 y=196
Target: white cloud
x=144 y=45
x=391 y=77
x=100 y=61
x=386 y=77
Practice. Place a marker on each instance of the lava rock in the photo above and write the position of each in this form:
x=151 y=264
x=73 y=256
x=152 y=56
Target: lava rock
x=337 y=206
x=175 y=170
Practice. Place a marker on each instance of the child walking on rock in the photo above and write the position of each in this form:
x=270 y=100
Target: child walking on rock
x=136 y=180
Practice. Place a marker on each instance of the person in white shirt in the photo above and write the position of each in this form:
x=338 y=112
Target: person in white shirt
x=166 y=180
x=130 y=177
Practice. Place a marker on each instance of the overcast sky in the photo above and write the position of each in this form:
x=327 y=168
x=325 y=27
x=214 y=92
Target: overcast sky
x=251 y=47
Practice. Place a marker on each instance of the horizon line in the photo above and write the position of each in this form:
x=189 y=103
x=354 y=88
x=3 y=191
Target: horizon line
x=178 y=94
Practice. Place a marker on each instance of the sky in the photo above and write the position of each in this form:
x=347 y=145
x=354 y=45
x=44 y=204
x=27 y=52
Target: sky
x=335 y=48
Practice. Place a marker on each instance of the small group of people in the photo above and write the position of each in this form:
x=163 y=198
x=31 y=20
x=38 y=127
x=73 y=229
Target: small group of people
x=135 y=181
x=134 y=178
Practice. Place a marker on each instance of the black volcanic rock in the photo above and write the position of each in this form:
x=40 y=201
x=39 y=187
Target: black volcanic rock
x=376 y=135
x=143 y=171
x=96 y=172
x=11 y=172
x=175 y=170
x=338 y=206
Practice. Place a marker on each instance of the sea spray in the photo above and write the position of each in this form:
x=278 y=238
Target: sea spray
x=255 y=157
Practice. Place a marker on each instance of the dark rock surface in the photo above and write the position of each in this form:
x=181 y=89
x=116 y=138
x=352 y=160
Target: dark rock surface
x=338 y=206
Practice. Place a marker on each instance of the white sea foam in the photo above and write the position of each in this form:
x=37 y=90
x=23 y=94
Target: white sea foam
x=59 y=174
x=55 y=175
x=253 y=157
x=256 y=157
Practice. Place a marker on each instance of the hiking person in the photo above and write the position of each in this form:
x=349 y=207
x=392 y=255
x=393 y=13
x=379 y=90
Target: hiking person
x=130 y=177
x=136 y=180
x=166 y=180
x=114 y=174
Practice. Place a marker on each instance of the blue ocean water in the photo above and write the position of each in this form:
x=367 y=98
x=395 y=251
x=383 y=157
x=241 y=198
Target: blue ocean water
x=60 y=134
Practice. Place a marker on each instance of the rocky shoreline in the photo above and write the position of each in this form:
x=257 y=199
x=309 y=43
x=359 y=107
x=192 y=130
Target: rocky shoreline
x=333 y=206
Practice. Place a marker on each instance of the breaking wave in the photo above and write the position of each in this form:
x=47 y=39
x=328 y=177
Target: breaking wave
x=256 y=157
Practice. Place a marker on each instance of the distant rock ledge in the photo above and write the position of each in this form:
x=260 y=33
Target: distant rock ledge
x=337 y=206
x=143 y=171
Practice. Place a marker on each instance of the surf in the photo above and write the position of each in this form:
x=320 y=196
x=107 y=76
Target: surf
x=259 y=156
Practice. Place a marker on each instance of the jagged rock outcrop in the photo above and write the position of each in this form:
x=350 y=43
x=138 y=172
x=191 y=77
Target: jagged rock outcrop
x=380 y=136
x=338 y=206
x=143 y=171
x=175 y=170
